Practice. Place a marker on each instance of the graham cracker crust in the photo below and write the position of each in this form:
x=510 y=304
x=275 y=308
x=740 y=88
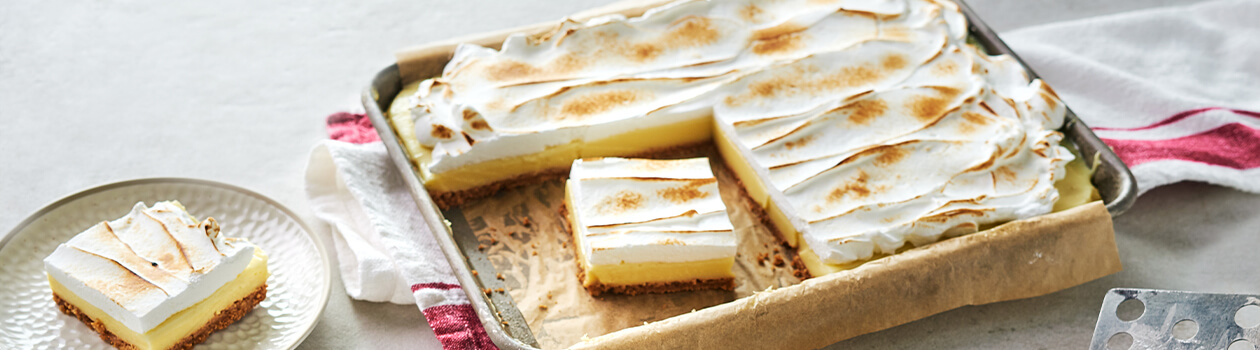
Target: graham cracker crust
x=447 y=200
x=799 y=269
x=221 y=320
x=596 y=289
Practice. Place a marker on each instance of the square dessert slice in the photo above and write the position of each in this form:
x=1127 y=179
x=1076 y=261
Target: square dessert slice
x=649 y=226
x=157 y=278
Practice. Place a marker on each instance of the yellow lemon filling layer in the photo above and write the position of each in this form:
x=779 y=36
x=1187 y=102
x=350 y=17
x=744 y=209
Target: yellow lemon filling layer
x=687 y=132
x=183 y=323
x=1075 y=188
x=659 y=272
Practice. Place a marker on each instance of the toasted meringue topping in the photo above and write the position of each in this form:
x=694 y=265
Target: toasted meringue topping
x=148 y=265
x=642 y=210
x=943 y=152
x=873 y=123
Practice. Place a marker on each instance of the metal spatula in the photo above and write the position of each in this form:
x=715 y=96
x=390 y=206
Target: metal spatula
x=1163 y=319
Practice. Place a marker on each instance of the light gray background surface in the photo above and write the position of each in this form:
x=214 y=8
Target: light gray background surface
x=236 y=91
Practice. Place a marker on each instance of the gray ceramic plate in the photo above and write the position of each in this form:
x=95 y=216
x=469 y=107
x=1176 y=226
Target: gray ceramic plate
x=297 y=289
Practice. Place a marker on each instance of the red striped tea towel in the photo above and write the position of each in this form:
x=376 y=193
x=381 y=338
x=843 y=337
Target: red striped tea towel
x=1174 y=91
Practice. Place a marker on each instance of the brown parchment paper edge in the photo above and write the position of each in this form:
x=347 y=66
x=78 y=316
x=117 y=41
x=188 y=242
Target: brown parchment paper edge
x=1021 y=259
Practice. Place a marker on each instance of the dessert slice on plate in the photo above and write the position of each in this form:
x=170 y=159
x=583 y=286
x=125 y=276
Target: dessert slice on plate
x=649 y=226
x=157 y=278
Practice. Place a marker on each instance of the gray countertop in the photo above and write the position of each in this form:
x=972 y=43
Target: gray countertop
x=236 y=91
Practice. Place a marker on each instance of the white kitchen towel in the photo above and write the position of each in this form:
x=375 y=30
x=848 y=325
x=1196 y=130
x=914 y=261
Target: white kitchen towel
x=385 y=250
x=1174 y=91
x=338 y=179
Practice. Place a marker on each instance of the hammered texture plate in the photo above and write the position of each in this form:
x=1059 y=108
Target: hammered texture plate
x=297 y=289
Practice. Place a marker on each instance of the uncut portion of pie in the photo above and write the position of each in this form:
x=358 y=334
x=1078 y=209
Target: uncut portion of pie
x=649 y=226
x=157 y=278
x=858 y=127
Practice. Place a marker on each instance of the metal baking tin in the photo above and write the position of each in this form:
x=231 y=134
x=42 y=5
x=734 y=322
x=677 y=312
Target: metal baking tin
x=503 y=320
